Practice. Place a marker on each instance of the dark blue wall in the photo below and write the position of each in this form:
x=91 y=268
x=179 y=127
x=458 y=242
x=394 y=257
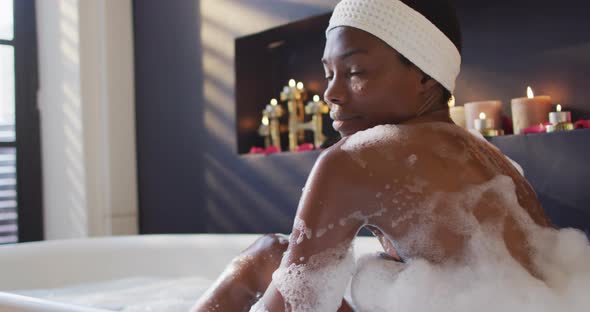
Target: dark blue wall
x=509 y=45
x=170 y=128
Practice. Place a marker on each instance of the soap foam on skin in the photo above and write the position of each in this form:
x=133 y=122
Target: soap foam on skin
x=490 y=281
x=421 y=222
x=488 y=278
x=485 y=278
x=304 y=231
x=412 y=159
x=319 y=284
x=360 y=216
x=258 y=307
x=357 y=215
x=373 y=137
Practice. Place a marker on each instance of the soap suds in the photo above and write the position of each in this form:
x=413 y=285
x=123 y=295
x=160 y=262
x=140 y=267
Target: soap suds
x=360 y=216
x=411 y=161
x=378 y=137
x=319 y=284
x=259 y=307
x=490 y=281
x=303 y=230
x=320 y=232
x=487 y=278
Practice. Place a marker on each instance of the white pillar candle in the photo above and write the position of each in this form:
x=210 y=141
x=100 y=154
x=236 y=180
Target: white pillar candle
x=529 y=111
x=559 y=116
x=482 y=122
x=457 y=113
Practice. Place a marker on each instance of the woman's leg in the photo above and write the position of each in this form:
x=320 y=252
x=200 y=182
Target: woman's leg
x=246 y=278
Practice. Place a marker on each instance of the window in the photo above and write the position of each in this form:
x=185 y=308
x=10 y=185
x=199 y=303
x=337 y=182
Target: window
x=20 y=161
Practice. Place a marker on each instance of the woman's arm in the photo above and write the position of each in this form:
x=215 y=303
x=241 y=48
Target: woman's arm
x=318 y=264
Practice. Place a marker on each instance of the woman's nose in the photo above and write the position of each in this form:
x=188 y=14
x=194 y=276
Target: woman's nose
x=336 y=92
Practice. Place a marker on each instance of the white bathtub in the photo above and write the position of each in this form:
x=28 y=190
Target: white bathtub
x=26 y=268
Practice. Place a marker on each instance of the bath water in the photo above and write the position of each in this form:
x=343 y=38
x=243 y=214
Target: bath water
x=136 y=294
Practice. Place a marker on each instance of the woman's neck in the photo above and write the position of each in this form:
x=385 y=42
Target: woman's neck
x=439 y=115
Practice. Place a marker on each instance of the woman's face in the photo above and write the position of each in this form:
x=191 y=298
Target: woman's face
x=368 y=85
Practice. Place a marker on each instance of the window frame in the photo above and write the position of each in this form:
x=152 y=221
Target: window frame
x=27 y=124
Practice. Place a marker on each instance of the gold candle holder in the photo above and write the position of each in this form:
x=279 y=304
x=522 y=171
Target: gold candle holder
x=294 y=94
x=491 y=132
x=264 y=129
x=274 y=111
x=316 y=109
x=561 y=126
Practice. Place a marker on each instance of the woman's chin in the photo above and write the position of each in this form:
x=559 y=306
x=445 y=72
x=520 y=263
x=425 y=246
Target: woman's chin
x=348 y=127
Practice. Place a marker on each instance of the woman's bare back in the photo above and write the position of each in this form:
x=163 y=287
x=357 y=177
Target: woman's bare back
x=426 y=180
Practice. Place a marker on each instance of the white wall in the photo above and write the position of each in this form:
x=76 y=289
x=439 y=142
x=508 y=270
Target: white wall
x=87 y=103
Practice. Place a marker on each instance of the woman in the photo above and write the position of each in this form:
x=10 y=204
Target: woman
x=390 y=67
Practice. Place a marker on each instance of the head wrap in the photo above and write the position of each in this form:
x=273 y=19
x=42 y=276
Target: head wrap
x=405 y=30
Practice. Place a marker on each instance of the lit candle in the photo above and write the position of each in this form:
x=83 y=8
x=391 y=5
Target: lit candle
x=274 y=110
x=457 y=113
x=492 y=109
x=264 y=130
x=482 y=122
x=529 y=111
x=486 y=126
x=560 y=121
x=559 y=116
x=316 y=106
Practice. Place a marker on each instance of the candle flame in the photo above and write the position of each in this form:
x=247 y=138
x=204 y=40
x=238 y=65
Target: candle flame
x=452 y=101
x=265 y=121
x=300 y=85
x=274 y=102
x=529 y=93
x=316 y=98
x=292 y=83
x=482 y=115
x=558 y=108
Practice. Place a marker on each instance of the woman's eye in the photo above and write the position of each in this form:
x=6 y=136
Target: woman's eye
x=329 y=77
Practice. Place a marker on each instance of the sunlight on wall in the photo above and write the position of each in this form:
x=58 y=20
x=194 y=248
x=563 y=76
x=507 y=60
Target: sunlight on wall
x=222 y=21
x=69 y=39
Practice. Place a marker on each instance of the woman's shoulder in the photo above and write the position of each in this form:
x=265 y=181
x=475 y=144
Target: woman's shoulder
x=394 y=146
